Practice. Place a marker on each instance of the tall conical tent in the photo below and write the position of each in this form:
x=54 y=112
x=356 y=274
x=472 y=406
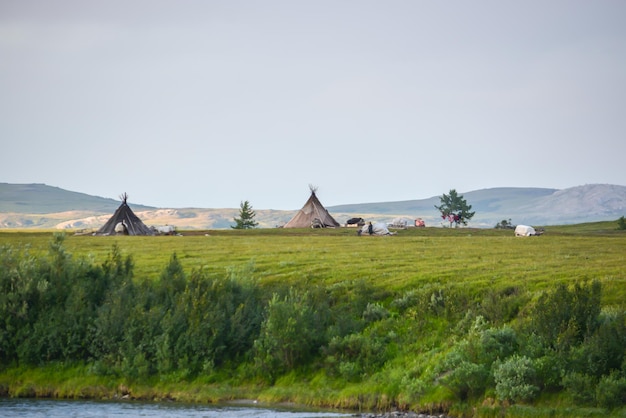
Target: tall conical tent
x=312 y=214
x=124 y=221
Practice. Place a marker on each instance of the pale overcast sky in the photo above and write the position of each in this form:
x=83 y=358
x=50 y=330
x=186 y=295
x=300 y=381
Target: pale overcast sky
x=209 y=103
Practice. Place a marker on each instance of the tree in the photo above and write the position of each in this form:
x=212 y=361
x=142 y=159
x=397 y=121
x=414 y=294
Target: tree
x=246 y=217
x=504 y=224
x=515 y=379
x=455 y=209
x=288 y=335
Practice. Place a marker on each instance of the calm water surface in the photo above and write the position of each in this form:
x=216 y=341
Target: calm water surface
x=10 y=408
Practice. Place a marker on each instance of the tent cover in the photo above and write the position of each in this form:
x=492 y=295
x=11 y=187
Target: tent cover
x=124 y=221
x=312 y=214
x=524 y=231
x=378 y=228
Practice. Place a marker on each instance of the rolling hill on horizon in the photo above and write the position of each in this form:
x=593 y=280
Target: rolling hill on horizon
x=40 y=198
x=533 y=206
x=43 y=206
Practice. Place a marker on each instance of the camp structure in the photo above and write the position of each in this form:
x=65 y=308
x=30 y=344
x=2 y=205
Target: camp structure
x=525 y=231
x=375 y=229
x=313 y=214
x=124 y=222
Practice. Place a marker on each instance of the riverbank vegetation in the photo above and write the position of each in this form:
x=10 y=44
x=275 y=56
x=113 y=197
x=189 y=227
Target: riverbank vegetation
x=471 y=322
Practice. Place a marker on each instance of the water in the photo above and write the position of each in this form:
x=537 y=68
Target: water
x=11 y=408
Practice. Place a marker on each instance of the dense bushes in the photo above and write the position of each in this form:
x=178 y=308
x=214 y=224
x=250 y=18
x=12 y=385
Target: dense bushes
x=289 y=334
x=564 y=341
x=502 y=343
x=49 y=306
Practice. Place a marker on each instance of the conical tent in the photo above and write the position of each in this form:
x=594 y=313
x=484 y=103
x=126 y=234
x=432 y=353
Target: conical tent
x=313 y=214
x=124 y=221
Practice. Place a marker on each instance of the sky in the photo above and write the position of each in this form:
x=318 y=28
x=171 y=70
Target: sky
x=210 y=103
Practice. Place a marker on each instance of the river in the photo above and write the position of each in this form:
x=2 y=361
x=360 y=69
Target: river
x=11 y=408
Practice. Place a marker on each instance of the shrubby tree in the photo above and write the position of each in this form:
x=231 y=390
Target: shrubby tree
x=359 y=355
x=288 y=334
x=467 y=369
x=455 y=209
x=567 y=315
x=20 y=289
x=611 y=391
x=515 y=379
x=246 y=217
x=171 y=284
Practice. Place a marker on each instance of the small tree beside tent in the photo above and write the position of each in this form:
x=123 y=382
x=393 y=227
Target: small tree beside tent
x=246 y=217
x=124 y=222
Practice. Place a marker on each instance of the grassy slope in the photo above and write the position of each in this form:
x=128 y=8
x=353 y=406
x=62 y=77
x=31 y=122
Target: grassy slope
x=470 y=259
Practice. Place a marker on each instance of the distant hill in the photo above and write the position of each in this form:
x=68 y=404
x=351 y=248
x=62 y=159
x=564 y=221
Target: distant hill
x=486 y=201
x=42 y=206
x=533 y=206
x=41 y=198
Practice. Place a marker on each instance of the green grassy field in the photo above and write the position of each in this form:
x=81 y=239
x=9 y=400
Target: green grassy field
x=488 y=271
x=472 y=257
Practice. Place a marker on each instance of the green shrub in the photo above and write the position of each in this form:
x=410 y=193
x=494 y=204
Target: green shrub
x=350 y=371
x=581 y=387
x=467 y=380
x=515 y=379
x=550 y=369
x=603 y=351
x=358 y=355
x=289 y=334
x=501 y=306
x=611 y=391
x=497 y=344
x=375 y=312
x=565 y=316
x=466 y=370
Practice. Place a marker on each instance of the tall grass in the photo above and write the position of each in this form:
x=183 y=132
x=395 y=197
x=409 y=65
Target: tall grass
x=465 y=257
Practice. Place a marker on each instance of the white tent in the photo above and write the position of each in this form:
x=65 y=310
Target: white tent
x=401 y=223
x=376 y=229
x=524 y=231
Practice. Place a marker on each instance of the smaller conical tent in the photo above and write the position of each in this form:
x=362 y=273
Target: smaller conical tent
x=124 y=221
x=313 y=214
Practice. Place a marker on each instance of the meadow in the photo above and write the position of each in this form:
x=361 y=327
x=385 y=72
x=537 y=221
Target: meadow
x=413 y=257
x=400 y=321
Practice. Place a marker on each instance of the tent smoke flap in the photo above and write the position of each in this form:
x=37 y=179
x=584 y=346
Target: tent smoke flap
x=124 y=222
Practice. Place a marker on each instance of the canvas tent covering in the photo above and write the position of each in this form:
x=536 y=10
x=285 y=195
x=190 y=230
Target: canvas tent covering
x=378 y=228
x=124 y=222
x=313 y=214
x=524 y=231
x=401 y=223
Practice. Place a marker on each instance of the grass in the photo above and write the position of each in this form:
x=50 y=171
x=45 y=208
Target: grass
x=415 y=257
